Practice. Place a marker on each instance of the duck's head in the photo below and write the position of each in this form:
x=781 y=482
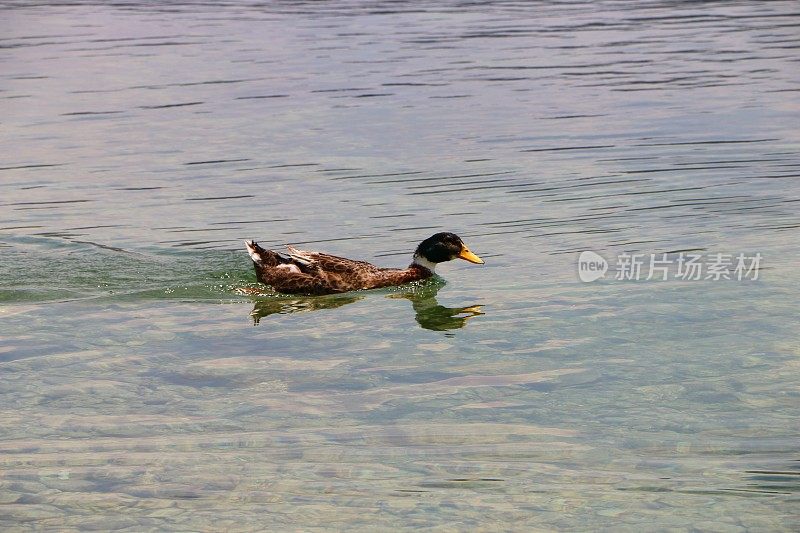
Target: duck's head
x=443 y=247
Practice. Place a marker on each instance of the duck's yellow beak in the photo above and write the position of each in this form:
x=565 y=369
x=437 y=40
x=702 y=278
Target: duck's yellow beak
x=469 y=256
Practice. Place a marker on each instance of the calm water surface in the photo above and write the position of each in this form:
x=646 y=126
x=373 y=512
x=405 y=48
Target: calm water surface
x=142 y=141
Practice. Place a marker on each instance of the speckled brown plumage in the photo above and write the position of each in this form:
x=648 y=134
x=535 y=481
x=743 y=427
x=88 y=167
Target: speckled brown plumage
x=328 y=274
x=303 y=272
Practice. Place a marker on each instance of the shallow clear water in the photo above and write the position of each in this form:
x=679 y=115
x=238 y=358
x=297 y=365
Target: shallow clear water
x=140 y=388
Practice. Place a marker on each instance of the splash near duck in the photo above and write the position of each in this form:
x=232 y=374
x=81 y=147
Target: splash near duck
x=305 y=272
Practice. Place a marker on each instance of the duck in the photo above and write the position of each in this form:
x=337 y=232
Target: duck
x=315 y=273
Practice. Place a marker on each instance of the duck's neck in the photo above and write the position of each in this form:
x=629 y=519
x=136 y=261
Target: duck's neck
x=424 y=263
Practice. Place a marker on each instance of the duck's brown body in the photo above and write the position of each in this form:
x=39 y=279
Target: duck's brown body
x=317 y=273
x=302 y=272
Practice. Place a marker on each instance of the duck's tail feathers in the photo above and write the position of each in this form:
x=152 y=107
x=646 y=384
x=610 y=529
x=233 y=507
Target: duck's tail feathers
x=265 y=258
x=255 y=251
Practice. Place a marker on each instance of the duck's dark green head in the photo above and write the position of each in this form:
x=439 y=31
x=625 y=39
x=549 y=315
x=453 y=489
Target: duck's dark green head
x=444 y=247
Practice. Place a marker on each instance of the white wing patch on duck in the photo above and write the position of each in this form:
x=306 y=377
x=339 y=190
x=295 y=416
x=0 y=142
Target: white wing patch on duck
x=289 y=267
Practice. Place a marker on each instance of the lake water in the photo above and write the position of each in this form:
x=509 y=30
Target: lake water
x=141 y=389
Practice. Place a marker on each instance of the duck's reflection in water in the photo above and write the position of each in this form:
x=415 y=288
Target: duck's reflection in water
x=428 y=313
x=299 y=304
